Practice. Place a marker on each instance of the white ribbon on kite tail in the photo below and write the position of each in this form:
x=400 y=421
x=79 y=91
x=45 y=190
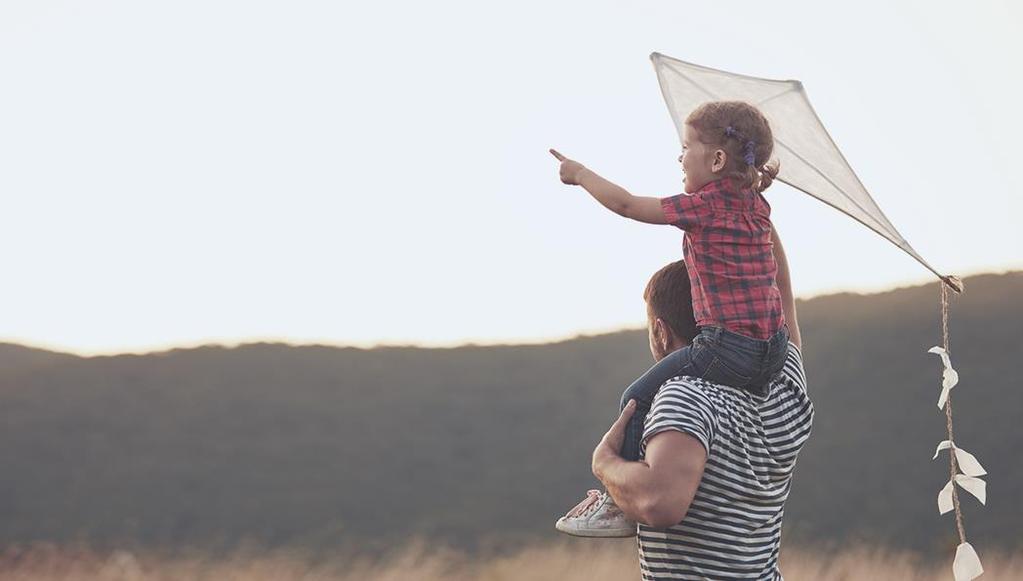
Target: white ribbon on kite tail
x=949 y=376
x=967 y=564
x=967 y=462
x=974 y=486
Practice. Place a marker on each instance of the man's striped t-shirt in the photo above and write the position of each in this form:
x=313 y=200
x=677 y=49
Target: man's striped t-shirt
x=733 y=527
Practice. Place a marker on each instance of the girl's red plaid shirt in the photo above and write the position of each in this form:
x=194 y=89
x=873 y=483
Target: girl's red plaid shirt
x=728 y=251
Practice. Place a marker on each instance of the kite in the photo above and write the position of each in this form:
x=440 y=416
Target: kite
x=812 y=163
x=810 y=160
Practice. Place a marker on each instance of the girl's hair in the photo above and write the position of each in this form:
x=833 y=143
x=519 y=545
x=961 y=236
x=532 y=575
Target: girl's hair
x=744 y=133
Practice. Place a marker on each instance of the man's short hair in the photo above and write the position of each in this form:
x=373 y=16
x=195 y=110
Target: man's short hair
x=669 y=297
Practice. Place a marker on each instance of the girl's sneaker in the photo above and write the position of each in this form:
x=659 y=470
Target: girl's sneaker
x=596 y=516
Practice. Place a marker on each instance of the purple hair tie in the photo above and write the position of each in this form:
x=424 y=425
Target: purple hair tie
x=750 y=156
x=730 y=131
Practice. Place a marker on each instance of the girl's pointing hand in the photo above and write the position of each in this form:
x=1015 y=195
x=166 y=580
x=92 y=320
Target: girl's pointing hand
x=570 y=169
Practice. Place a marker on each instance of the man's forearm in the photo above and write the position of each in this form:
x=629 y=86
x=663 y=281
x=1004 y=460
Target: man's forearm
x=610 y=195
x=630 y=484
x=657 y=490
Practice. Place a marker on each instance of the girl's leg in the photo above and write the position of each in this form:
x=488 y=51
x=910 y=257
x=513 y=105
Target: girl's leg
x=774 y=361
x=644 y=389
x=779 y=351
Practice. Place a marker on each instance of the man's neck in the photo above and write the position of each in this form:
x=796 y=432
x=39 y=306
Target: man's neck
x=671 y=347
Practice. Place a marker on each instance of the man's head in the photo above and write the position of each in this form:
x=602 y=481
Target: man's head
x=669 y=308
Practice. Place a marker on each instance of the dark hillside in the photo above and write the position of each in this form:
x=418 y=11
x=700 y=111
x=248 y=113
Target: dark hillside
x=320 y=445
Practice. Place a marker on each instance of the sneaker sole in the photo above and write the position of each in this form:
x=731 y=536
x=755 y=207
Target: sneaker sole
x=596 y=533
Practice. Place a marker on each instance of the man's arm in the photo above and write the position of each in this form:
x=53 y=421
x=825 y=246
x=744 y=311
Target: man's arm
x=658 y=490
x=788 y=301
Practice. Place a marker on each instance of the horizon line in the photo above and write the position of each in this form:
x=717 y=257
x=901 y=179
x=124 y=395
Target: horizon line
x=508 y=341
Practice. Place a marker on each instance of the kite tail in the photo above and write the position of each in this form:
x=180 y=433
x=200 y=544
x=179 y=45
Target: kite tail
x=945 y=286
x=966 y=565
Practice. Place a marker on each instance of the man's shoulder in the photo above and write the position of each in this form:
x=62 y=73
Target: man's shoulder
x=793 y=372
x=689 y=384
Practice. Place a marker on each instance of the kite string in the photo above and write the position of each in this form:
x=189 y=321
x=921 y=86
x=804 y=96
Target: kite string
x=953 y=469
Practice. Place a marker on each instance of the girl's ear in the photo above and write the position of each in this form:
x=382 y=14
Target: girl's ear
x=720 y=159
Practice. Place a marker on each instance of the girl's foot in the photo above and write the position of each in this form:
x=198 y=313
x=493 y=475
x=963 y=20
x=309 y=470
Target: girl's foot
x=596 y=516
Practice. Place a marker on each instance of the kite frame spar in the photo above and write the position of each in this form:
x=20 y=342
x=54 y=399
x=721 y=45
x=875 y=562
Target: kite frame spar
x=794 y=85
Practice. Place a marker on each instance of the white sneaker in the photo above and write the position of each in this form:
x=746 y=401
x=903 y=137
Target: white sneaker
x=596 y=516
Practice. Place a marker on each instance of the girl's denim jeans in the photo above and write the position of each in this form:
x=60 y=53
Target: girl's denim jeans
x=716 y=355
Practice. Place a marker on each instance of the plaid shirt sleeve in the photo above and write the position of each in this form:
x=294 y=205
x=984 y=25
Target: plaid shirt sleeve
x=687 y=211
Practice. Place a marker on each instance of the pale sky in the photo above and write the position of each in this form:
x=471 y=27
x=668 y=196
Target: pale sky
x=357 y=173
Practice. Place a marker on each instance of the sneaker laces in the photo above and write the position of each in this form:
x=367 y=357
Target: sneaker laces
x=593 y=498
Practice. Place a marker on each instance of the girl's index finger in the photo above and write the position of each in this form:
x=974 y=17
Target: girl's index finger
x=557 y=155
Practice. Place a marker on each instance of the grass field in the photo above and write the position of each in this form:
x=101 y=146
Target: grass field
x=564 y=561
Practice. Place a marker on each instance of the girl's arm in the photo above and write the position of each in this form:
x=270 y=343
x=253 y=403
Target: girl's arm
x=610 y=195
x=621 y=202
x=784 y=282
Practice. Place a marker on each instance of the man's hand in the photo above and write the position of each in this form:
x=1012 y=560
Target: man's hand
x=610 y=445
x=570 y=169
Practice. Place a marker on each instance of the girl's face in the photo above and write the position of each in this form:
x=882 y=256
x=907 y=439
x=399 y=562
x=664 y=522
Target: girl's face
x=701 y=163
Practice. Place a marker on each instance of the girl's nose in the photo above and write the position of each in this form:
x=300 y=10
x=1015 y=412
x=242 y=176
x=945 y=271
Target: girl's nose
x=680 y=158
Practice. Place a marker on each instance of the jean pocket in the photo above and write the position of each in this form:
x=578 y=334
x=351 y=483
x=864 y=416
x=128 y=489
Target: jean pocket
x=721 y=372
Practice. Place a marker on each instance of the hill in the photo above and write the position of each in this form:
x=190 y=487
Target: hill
x=321 y=446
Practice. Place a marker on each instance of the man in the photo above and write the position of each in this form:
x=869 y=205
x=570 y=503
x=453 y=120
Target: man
x=710 y=488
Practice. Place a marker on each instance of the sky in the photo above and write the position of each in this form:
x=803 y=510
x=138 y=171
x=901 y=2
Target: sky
x=364 y=173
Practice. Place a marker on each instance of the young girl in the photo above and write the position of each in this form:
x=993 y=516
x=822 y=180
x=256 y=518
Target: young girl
x=742 y=338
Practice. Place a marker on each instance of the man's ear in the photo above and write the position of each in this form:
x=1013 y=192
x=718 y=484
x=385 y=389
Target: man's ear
x=662 y=334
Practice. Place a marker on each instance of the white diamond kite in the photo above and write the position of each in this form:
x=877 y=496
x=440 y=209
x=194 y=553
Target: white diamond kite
x=810 y=160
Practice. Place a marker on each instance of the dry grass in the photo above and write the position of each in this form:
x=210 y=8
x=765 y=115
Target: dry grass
x=592 y=561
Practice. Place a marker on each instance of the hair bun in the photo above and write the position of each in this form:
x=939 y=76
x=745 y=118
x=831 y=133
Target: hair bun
x=768 y=172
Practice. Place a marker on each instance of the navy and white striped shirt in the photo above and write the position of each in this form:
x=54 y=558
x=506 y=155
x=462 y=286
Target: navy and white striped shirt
x=733 y=527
